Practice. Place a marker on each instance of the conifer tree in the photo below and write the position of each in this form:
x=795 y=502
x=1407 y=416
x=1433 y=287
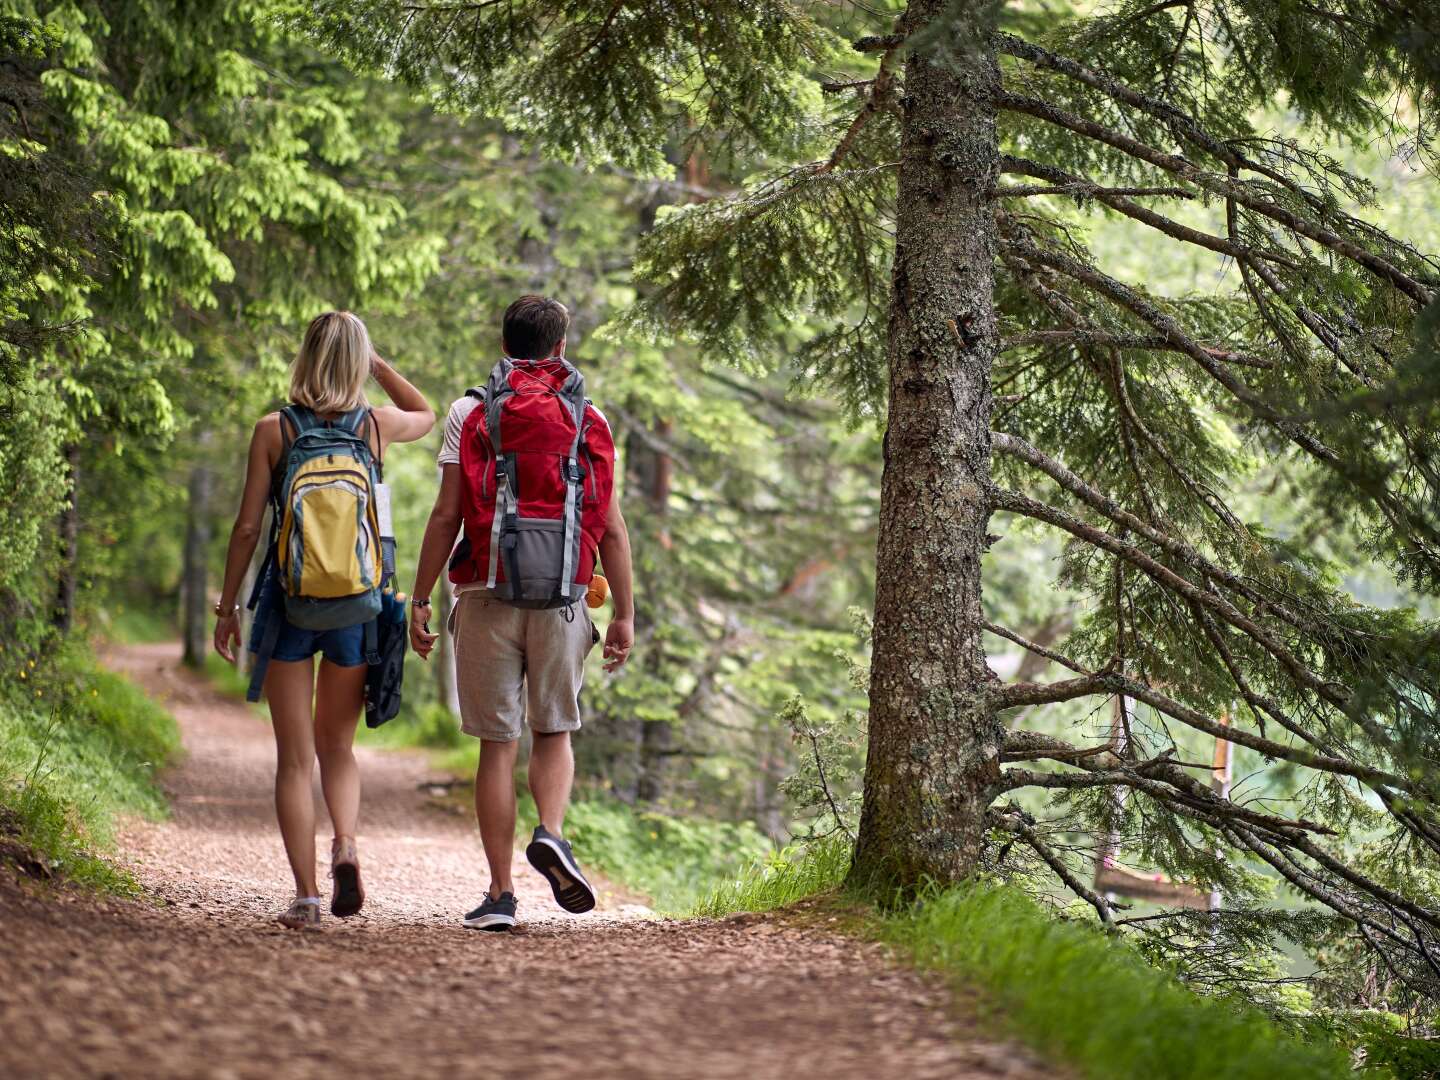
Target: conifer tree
x=1019 y=377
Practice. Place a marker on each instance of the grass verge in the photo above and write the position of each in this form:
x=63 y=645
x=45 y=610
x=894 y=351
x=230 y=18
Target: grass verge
x=78 y=746
x=671 y=859
x=1065 y=988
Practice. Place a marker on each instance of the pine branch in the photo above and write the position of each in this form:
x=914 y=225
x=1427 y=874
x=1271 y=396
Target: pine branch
x=1192 y=799
x=1223 y=187
x=1117 y=683
x=1013 y=823
x=1410 y=523
x=1170 y=329
x=1180 y=124
x=1082 y=190
x=1106 y=339
x=1116 y=200
x=1097 y=500
x=880 y=89
x=1169 y=579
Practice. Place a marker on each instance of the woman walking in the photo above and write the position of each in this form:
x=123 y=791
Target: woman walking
x=314 y=717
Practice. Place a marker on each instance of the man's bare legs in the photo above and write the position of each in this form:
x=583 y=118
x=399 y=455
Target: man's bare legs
x=495 y=810
x=289 y=687
x=552 y=773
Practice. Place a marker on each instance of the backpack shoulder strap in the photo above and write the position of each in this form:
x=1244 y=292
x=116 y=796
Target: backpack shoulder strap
x=293 y=420
x=302 y=419
x=371 y=435
x=353 y=420
x=497 y=387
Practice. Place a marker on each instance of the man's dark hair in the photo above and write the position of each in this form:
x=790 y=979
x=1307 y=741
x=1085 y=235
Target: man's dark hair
x=534 y=325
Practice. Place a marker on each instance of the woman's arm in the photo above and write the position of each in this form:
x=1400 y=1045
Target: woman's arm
x=264 y=450
x=410 y=417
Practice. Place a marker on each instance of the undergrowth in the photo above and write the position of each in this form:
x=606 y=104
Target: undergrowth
x=671 y=859
x=1064 y=987
x=78 y=746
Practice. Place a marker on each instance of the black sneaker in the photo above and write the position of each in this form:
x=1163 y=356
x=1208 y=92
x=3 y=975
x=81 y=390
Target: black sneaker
x=553 y=858
x=494 y=913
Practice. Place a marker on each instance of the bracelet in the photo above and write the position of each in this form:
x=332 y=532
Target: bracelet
x=221 y=613
x=416 y=602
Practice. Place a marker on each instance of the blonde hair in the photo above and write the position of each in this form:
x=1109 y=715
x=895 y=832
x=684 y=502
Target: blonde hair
x=332 y=365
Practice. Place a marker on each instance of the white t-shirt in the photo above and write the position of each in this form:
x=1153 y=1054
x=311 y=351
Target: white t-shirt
x=454 y=424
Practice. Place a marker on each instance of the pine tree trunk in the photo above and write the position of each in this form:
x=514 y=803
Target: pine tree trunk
x=934 y=738
x=195 y=617
x=68 y=534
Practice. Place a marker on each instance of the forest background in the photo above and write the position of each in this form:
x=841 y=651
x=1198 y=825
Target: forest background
x=185 y=185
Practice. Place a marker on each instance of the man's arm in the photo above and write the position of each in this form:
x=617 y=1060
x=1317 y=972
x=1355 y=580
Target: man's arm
x=440 y=533
x=615 y=558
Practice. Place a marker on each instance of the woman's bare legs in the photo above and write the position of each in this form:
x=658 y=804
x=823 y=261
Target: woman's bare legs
x=341 y=693
x=289 y=687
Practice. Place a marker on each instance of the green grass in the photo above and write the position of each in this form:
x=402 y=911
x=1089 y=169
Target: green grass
x=671 y=859
x=78 y=746
x=1064 y=987
x=1084 y=998
x=782 y=877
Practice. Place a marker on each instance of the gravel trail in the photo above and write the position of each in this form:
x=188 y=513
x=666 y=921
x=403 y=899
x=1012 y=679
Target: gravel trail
x=204 y=984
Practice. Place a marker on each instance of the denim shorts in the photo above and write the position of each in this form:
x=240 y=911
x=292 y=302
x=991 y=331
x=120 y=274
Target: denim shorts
x=343 y=648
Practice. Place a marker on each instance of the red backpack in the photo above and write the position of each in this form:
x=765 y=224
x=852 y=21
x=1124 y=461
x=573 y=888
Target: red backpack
x=538 y=464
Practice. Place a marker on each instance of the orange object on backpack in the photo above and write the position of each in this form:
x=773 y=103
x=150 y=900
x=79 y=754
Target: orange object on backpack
x=598 y=591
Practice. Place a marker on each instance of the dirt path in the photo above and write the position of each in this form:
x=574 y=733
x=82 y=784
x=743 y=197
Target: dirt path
x=205 y=984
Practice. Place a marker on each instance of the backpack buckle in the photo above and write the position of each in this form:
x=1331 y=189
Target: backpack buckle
x=571 y=472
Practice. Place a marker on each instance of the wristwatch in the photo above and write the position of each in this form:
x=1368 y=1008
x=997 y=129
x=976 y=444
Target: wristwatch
x=220 y=612
x=417 y=602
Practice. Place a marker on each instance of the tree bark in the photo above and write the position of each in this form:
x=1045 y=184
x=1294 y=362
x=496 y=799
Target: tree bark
x=934 y=739
x=68 y=534
x=195 y=619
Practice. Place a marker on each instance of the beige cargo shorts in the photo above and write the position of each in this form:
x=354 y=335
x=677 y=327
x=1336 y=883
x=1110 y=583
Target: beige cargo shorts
x=514 y=664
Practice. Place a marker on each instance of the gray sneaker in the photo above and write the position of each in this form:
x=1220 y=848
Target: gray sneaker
x=553 y=858
x=494 y=913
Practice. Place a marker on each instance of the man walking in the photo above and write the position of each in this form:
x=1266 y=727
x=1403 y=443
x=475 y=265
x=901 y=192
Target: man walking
x=527 y=469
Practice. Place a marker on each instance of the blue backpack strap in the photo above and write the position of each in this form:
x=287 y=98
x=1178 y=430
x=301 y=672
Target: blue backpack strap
x=372 y=641
x=273 y=619
x=352 y=420
x=301 y=419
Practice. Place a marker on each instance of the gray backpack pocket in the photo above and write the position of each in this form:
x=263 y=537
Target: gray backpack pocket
x=534 y=554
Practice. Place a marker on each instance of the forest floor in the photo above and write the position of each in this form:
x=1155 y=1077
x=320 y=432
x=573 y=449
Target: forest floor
x=200 y=981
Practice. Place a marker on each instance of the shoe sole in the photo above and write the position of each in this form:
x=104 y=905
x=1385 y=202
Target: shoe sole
x=491 y=922
x=349 y=896
x=572 y=892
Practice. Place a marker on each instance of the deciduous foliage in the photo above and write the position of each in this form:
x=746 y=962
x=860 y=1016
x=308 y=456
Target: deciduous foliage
x=183 y=177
